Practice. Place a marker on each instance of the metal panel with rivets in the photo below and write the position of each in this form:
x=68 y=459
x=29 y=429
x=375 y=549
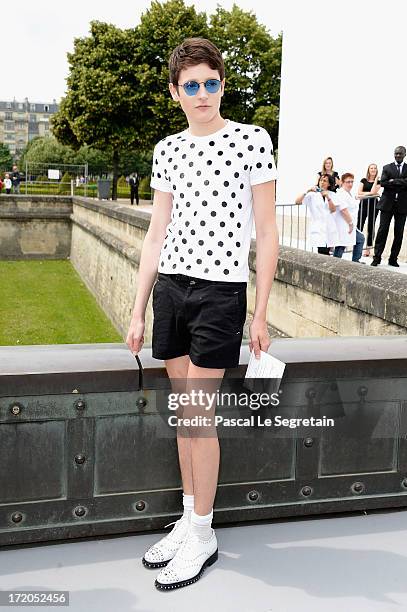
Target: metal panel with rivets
x=85 y=446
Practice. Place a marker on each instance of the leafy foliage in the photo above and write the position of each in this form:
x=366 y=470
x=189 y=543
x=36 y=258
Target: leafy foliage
x=118 y=101
x=6 y=159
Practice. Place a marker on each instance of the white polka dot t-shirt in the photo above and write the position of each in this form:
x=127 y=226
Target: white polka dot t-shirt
x=210 y=178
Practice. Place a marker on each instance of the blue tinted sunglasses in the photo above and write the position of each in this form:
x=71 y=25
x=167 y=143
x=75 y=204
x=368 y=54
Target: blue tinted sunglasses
x=192 y=87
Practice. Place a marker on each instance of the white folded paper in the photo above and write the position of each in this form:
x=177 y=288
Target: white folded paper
x=265 y=367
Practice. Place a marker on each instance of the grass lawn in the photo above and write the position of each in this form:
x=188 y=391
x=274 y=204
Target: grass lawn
x=46 y=302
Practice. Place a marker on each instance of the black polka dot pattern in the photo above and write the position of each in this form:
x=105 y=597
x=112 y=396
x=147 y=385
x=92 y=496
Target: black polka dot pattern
x=210 y=179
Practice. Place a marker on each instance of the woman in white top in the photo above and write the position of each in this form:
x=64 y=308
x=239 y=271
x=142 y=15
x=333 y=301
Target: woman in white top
x=346 y=218
x=323 y=232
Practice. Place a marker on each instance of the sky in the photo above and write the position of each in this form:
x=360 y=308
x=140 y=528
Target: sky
x=42 y=32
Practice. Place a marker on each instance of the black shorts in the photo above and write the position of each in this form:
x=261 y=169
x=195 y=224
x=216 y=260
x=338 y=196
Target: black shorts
x=200 y=318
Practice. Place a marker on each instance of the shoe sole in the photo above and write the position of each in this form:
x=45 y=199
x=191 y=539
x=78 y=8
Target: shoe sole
x=156 y=564
x=176 y=585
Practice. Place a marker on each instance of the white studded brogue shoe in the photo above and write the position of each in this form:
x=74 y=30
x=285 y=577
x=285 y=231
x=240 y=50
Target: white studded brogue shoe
x=189 y=562
x=159 y=554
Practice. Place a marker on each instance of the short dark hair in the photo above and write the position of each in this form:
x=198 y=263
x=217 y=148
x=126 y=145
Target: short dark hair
x=346 y=176
x=401 y=147
x=194 y=51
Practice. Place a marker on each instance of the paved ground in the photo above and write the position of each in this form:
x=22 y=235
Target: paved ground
x=355 y=562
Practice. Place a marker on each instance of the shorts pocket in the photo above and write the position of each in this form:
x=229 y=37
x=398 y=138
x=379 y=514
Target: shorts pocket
x=231 y=303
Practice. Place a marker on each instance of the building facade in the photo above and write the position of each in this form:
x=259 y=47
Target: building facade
x=20 y=122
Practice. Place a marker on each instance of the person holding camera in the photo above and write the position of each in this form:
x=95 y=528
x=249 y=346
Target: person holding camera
x=318 y=199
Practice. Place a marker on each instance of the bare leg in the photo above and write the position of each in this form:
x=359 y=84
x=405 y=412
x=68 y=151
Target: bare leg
x=205 y=448
x=177 y=370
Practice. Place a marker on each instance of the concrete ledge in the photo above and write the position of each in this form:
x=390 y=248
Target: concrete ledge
x=138 y=218
x=370 y=290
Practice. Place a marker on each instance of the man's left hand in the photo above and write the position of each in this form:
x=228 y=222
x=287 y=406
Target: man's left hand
x=259 y=336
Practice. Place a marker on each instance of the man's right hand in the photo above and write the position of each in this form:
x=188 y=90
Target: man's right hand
x=135 y=335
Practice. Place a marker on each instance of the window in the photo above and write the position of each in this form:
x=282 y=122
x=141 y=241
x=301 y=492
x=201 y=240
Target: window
x=8 y=105
x=32 y=108
x=33 y=118
x=46 y=108
x=20 y=106
x=8 y=115
x=9 y=125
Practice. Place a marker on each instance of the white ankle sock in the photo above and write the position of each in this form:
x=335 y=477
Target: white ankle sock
x=201 y=524
x=188 y=503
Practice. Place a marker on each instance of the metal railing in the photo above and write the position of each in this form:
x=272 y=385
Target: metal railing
x=293 y=223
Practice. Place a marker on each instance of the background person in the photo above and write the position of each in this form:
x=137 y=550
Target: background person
x=346 y=218
x=16 y=179
x=368 y=186
x=393 y=203
x=7 y=183
x=134 y=181
x=328 y=168
x=323 y=232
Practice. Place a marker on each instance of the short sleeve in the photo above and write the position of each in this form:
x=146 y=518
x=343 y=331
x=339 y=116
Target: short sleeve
x=159 y=178
x=263 y=167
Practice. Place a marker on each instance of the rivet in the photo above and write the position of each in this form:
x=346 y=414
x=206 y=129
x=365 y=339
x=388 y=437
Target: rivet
x=308 y=442
x=80 y=511
x=16 y=517
x=16 y=408
x=306 y=491
x=358 y=487
x=80 y=404
x=253 y=495
x=404 y=483
x=141 y=402
x=80 y=459
x=140 y=505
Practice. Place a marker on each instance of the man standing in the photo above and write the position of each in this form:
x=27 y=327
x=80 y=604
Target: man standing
x=209 y=181
x=134 y=183
x=16 y=179
x=393 y=202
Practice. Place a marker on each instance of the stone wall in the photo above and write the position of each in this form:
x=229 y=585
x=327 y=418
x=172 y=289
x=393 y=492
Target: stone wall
x=312 y=296
x=35 y=227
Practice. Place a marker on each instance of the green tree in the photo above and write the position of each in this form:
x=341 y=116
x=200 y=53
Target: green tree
x=101 y=108
x=161 y=29
x=6 y=159
x=118 y=100
x=252 y=66
x=65 y=184
x=46 y=150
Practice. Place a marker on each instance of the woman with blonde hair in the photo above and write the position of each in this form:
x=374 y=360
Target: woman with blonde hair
x=368 y=194
x=328 y=168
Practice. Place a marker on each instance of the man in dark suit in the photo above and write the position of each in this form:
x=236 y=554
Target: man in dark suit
x=134 y=181
x=393 y=202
